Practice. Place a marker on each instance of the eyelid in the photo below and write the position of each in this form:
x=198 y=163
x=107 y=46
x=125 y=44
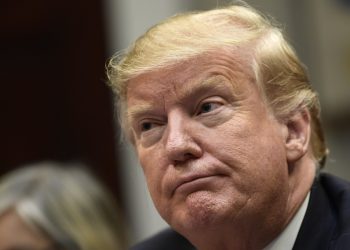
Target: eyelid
x=212 y=99
x=147 y=120
x=142 y=123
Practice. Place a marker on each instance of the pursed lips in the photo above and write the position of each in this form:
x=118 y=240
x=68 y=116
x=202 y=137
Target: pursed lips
x=189 y=179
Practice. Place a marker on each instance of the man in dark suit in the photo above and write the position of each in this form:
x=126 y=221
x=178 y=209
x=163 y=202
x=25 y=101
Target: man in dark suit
x=227 y=129
x=326 y=224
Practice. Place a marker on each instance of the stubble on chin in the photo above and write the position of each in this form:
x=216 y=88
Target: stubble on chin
x=200 y=211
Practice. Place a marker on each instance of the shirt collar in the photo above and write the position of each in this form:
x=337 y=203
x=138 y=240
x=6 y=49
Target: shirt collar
x=286 y=239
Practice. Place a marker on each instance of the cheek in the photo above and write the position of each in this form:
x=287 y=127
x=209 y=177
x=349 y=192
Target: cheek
x=232 y=142
x=153 y=167
x=245 y=145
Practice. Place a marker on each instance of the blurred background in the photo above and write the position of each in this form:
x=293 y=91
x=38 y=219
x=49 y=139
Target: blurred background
x=55 y=104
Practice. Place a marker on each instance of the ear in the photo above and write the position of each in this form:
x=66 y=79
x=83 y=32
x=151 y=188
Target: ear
x=298 y=135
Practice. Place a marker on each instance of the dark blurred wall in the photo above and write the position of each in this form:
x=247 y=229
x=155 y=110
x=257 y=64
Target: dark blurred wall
x=54 y=103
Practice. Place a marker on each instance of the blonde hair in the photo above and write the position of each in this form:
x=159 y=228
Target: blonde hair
x=278 y=72
x=65 y=203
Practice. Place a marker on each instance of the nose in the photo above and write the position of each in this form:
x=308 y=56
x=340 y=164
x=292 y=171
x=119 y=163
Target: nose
x=180 y=144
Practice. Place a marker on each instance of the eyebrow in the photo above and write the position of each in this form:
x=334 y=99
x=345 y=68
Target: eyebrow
x=186 y=92
x=211 y=82
x=137 y=111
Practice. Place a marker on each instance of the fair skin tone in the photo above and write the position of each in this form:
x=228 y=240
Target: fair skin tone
x=221 y=169
x=15 y=234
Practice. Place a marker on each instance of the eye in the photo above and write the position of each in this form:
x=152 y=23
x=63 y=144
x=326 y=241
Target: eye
x=145 y=126
x=208 y=107
x=149 y=124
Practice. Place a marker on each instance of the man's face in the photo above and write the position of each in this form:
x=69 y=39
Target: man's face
x=211 y=151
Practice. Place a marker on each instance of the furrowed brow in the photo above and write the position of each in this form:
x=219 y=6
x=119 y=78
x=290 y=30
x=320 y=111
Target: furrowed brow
x=136 y=111
x=211 y=82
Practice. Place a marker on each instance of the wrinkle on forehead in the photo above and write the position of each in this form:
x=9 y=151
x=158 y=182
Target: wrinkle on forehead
x=185 y=78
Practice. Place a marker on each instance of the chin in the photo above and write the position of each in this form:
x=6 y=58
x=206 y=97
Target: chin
x=201 y=211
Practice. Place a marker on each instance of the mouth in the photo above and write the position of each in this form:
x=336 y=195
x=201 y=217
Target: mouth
x=194 y=183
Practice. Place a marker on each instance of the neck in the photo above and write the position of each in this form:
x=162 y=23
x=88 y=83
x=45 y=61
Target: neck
x=302 y=175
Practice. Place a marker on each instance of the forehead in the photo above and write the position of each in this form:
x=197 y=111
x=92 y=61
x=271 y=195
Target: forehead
x=188 y=75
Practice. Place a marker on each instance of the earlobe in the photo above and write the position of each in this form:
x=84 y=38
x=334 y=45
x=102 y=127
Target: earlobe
x=298 y=137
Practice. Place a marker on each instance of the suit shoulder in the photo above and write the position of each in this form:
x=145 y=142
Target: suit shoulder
x=338 y=191
x=334 y=183
x=166 y=239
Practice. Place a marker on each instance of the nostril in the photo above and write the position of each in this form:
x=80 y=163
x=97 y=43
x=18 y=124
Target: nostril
x=185 y=157
x=188 y=156
x=177 y=163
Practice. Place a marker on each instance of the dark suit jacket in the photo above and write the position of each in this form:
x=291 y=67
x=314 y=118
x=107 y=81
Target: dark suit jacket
x=326 y=224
